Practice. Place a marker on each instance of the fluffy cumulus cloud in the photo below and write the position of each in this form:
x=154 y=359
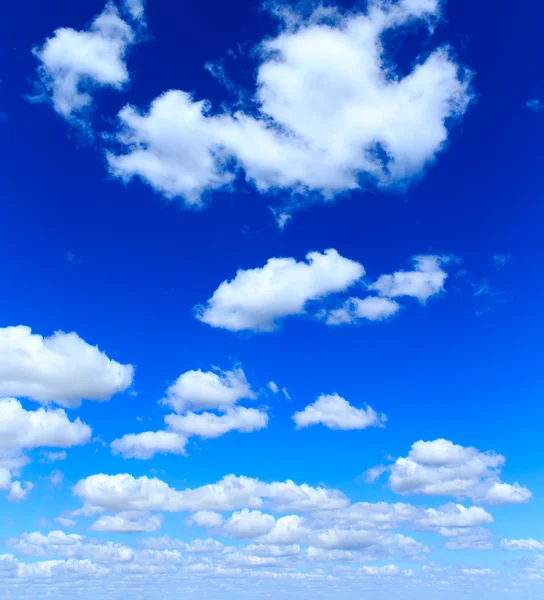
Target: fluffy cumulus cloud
x=135 y=8
x=335 y=412
x=22 y=430
x=62 y=368
x=148 y=443
x=332 y=113
x=128 y=522
x=371 y=308
x=74 y=63
x=441 y=468
x=210 y=425
x=529 y=545
x=426 y=280
x=197 y=390
x=124 y=492
x=256 y=298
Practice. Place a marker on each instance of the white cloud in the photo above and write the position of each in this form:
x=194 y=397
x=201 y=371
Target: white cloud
x=74 y=63
x=273 y=387
x=257 y=298
x=506 y=493
x=198 y=390
x=19 y=491
x=370 y=308
x=56 y=478
x=128 y=522
x=442 y=468
x=529 y=545
x=135 y=8
x=478 y=572
x=467 y=539
x=62 y=368
x=5 y=479
x=20 y=428
x=54 y=456
x=210 y=425
x=426 y=280
x=125 y=493
x=208 y=519
x=65 y=522
x=248 y=524
x=335 y=412
x=453 y=515
x=331 y=112
x=145 y=445
x=52 y=568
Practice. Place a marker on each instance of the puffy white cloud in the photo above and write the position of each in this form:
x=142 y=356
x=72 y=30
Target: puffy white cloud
x=529 y=545
x=249 y=524
x=135 y=8
x=335 y=412
x=371 y=308
x=426 y=280
x=273 y=387
x=506 y=493
x=70 y=546
x=145 y=445
x=207 y=518
x=52 y=568
x=443 y=468
x=128 y=522
x=123 y=492
x=62 y=368
x=198 y=390
x=331 y=113
x=453 y=515
x=20 y=428
x=18 y=491
x=74 y=63
x=65 y=522
x=257 y=298
x=210 y=425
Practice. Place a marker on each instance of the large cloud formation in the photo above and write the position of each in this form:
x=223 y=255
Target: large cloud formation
x=62 y=368
x=330 y=113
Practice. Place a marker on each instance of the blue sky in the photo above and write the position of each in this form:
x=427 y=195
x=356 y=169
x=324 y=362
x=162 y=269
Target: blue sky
x=270 y=321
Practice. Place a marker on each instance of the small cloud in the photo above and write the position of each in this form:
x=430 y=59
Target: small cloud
x=273 y=387
x=53 y=456
x=65 y=521
x=281 y=216
x=500 y=260
x=73 y=258
x=56 y=478
x=374 y=473
x=535 y=104
x=484 y=289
